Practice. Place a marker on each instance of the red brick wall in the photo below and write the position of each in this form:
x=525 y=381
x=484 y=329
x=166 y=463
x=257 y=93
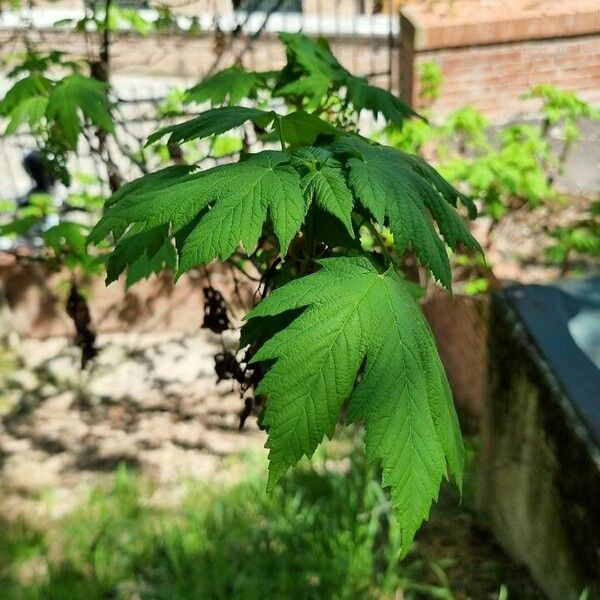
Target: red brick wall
x=491 y=65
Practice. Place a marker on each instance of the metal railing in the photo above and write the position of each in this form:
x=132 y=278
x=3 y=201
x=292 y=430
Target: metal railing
x=365 y=43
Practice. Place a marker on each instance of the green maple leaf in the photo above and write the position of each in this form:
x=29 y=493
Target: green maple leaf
x=25 y=102
x=213 y=122
x=313 y=70
x=139 y=245
x=324 y=182
x=406 y=194
x=151 y=182
x=74 y=98
x=262 y=185
x=314 y=87
x=144 y=200
x=146 y=265
x=210 y=213
x=312 y=55
x=300 y=128
x=229 y=86
x=30 y=111
x=364 y=96
x=355 y=316
x=24 y=89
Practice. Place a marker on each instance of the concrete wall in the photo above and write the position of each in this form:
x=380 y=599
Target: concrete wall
x=539 y=478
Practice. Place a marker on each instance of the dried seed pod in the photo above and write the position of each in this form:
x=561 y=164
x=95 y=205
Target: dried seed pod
x=227 y=366
x=85 y=337
x=215 y=311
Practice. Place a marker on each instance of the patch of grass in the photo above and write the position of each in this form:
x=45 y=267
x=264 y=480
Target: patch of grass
x=327 y=532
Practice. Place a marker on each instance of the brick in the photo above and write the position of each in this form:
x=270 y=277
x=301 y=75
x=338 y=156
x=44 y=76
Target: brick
x=473 y=23
x=492 y=73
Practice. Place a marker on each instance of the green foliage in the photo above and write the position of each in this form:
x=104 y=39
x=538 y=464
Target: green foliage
x=282 y=186
x=354 y=316
x=55 y=111
x=502 y=169
x=563 y=108
x=580 y=239
x=324 y=183
x=26 y=103
x=313 y=80
x=355 y=313
x=263 y=184
x=327 y=533
x=229 y=86
x=313 y=73
x=403 y=191
x=74 y=99
x=296 y=214
x=40 y=62
x=213 y=122
x=431 y=81
x=63 y=243
x=467 y=126
x=514 y=171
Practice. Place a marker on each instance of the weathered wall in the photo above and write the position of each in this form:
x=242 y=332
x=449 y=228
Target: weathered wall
x=37 y=301
x=460 y=326
x=191 y=57
x=538 y=481
x=492 y=52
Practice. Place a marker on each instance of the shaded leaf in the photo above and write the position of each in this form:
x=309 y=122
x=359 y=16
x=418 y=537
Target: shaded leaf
x=75 y=98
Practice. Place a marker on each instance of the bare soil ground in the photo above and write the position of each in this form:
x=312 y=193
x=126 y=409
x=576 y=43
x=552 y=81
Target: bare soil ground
x=149 y=401
x=519 y=241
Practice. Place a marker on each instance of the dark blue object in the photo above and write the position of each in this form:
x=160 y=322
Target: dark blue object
x=563 y=321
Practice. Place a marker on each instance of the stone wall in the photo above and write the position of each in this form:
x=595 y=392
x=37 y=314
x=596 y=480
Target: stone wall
x=491 y=52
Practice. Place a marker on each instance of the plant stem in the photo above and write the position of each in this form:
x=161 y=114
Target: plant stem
x=381 y=241
x=280 y=132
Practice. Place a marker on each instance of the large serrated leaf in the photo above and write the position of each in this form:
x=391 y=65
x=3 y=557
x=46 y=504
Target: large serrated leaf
x=30 y=111
x=138 y=243
x=168 y=196
x=264 y=184
x=400 y=192
x=75 y=97
x=211 y=213
x=324 y=182
x=355 y=314
x=228 y=86
x=313 y=71
x=213 y=122
x=364 y=96
x=23 y=90
x=300 y=128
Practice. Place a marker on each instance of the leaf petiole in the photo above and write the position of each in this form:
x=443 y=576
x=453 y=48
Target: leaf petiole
x=280 y=131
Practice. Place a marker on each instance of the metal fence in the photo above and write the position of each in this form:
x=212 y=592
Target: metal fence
x=363 y=34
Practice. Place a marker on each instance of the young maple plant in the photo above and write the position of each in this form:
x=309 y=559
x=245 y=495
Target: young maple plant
x=338 y=325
